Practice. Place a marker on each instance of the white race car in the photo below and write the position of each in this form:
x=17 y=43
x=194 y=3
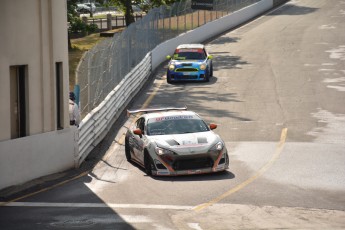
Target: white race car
x=174 y=141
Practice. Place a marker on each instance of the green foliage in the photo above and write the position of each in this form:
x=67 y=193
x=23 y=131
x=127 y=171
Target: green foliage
x=145 y=5
x=77 y=26
x=71 y=10
x=92 y=28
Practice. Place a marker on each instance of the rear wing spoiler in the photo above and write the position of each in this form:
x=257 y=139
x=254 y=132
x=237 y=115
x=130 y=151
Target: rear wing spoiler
x=150 y=110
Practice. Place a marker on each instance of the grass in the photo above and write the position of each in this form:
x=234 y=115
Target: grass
x=79 y=46
x=103 y=16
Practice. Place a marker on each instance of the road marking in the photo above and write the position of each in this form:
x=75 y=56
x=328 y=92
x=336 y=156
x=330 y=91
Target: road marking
x=45 y=189
x=251 y=179
x=96 y=205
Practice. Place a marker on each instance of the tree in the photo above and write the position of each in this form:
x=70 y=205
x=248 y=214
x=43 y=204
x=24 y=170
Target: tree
x=145 y=5
x=72 y=15
x=126 y=6
x=76 y=25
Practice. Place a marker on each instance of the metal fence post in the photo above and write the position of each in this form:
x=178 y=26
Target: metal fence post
x=109 y=26
x=88 y=82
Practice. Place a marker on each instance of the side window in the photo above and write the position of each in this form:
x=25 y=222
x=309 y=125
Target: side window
x=140 y=123
x=205 y=53
x=137 y=123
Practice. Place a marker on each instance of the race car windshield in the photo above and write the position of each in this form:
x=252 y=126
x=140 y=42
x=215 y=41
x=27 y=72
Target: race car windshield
x=191 y=55
x=175 y=126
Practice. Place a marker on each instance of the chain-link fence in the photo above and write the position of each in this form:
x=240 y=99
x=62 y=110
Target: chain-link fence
x=103 y=67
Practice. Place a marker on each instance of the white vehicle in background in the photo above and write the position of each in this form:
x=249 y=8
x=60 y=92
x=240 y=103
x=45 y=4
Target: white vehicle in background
x=86 y=8
x=174 y=141
x=92 y=6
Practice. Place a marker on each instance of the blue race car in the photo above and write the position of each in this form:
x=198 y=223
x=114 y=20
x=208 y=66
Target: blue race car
x=190 y=62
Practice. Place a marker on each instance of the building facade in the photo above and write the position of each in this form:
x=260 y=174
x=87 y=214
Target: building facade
x=35 y=136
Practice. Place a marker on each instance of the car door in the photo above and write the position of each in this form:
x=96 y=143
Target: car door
x=138 y=140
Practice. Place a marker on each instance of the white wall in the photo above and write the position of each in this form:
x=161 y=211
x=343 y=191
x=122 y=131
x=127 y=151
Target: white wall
x=31 y=157
x=34 y=33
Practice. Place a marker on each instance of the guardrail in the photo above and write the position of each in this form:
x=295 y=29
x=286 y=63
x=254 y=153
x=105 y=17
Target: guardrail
x=98 y=122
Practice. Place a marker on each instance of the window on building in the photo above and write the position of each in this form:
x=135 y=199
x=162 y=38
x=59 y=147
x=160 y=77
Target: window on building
x=59 y=95
x=18 y=100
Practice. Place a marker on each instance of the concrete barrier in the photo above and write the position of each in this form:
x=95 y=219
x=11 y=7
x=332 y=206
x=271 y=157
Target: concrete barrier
x=22 y=158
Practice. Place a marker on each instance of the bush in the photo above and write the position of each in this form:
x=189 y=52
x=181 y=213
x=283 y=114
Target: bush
x=92 y=28
x=78 y=26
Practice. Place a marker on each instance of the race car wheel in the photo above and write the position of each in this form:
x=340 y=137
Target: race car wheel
x=127 y=150
x=168 y=79
x=148 y=163
x=207 y=77
x=211 y=71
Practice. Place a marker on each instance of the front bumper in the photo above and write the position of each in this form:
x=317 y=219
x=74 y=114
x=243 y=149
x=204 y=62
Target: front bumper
x=191 y=165
x=186 y=76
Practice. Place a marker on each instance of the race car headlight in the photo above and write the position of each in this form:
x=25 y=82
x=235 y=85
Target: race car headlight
x=171 y=67
x=161 y=151
x=202 y=67
x=216 y=148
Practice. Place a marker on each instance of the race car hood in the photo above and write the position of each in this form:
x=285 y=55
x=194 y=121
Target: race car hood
x=187 y=143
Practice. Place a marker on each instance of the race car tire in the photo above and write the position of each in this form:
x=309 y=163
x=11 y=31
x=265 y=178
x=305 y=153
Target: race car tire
x=148 y=163
x=168 y=79
x=211 y=71
x=127 y=150
x=207 y=77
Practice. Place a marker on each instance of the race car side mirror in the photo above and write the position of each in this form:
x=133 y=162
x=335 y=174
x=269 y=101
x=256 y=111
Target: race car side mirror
x=168 y=57
x=210 y=56
x=138 y=132
x=213 y=126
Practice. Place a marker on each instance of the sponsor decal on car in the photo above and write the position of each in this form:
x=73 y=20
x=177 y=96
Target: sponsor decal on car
x=174 y=117
x=189 y=50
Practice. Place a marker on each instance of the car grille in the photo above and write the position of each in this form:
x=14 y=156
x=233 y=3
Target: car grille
x=185 y=77
x=196 y=163
x=188 y=77
x=186 y=70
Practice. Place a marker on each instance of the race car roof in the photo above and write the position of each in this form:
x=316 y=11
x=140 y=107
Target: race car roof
x=190 y=46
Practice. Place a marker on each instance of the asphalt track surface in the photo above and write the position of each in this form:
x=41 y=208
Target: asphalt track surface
x=278 y=96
